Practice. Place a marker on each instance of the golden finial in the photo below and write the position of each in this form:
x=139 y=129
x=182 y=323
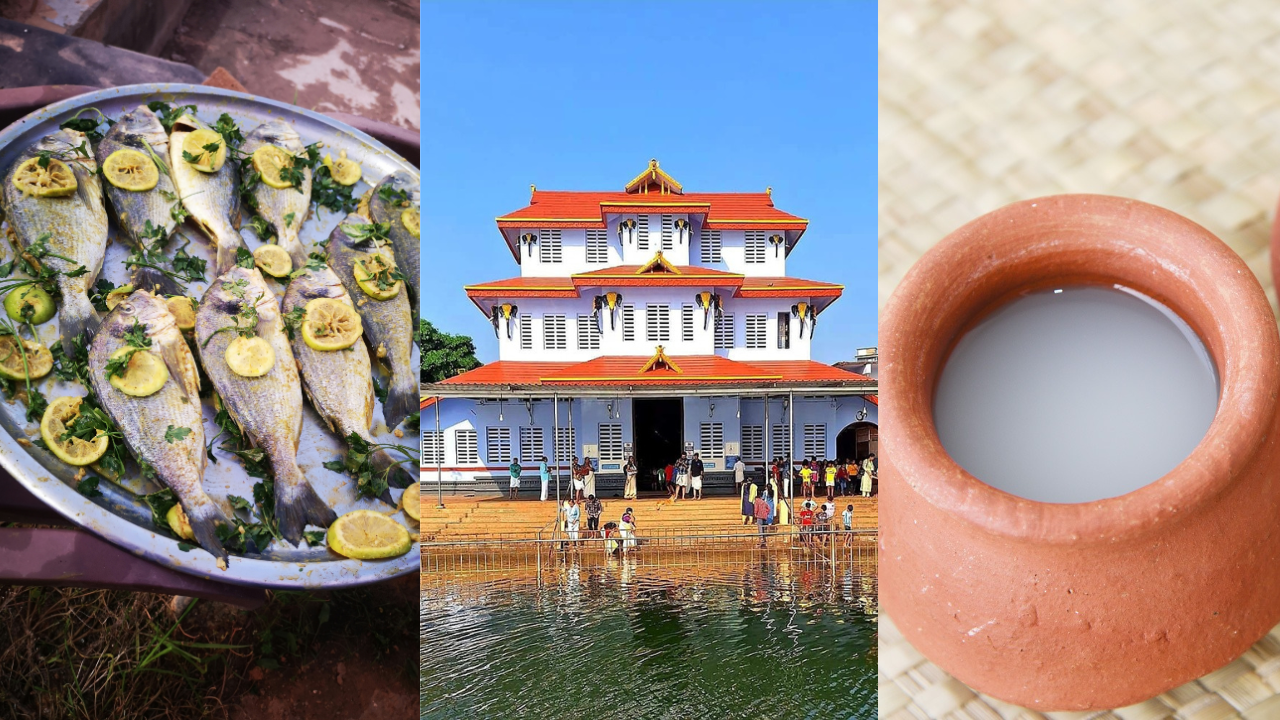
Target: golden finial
x=769 y=191
x=532 y=188
x=653 y=162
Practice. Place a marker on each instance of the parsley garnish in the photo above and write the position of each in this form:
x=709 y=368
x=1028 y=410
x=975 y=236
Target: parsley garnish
x=175 y=434
x=359 y=465
x=169 y=115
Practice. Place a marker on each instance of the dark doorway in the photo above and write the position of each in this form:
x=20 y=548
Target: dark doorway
x=857 y=441
x=658 y=428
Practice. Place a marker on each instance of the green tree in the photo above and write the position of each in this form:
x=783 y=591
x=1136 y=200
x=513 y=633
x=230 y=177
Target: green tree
x=444 y=354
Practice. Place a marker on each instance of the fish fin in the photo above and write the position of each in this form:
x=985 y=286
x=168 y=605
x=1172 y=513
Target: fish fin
x=401 y=400
x=297 y=252
x=145 y=278
x=177 y=357
x=298 y=505
x=397 y=475
x=204 y=522
x=77 y=318
x=228 y=243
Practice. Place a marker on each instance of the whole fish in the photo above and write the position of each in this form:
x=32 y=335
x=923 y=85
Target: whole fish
x=75 y=226
x=143 y=421
x=213 y=199
x=388 y=324
x=394 y=194
x=284 y=208
x=339 y=383
x=267 y=408
x=140 y=130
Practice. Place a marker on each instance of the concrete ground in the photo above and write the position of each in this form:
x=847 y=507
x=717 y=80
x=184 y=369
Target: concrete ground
x=355 y=57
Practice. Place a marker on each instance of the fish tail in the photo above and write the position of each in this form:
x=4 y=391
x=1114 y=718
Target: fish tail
x=402 y=399
x=204 y=521
x=298 y=505
x=145 y=278
x=397 y=475
x=77 y=318
x=228 y=242
x=293 y=246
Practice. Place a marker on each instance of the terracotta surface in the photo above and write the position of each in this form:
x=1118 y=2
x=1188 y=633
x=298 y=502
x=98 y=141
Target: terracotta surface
x=1093 y=605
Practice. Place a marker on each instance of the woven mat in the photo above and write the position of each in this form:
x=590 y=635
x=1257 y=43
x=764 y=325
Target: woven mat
x=986 y=103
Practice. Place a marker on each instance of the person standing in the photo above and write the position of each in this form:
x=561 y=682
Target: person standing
x=579 y=483
x=769 y=497
x=830 y=476
x=695 y=476
x=806 y=479
x=682 y=477
x=671 y=476
x=739 y=472
x=594 y=510
x=589 y=476
x=847 y=517
x=748 y=494
x=868 y=470
x=544 y=474
x=629 y=490
x=627 y=529
x=572 y=516
x=760 y=510
x=842 y=478
x=515 y=479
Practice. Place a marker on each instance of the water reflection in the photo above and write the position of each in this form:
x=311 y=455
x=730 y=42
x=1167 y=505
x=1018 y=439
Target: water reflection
x=779 y=639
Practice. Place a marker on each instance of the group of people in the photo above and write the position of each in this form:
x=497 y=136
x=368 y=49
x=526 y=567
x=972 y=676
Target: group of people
x=817 y=519
x=583 y=474
x=838 y=477
x=619 y=536
x=684 y=477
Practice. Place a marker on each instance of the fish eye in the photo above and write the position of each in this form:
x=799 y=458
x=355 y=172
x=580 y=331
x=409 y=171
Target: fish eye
x=126 y=308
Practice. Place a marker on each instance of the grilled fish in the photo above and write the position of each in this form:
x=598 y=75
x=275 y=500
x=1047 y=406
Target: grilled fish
x=388 y=324
x=144 y=420
x=140 y=130
x=284 y=208
x=386 y=206
x=76 y=226
x=338 y=383
x=268 y=408
x=213 y=199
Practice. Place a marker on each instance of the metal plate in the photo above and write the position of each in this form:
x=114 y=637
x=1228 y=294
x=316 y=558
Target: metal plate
x=119 y=516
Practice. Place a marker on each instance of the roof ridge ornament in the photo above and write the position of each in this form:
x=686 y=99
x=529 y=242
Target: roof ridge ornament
x=654 y=179
x=658 y=264
x=660 y=361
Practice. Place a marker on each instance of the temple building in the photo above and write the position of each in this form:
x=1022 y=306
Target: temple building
x=647 y=322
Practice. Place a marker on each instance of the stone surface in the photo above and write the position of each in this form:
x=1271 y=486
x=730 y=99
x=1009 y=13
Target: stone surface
x=326 y=55
x=31 y=56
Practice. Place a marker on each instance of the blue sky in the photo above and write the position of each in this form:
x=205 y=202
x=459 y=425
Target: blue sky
x=733 y=96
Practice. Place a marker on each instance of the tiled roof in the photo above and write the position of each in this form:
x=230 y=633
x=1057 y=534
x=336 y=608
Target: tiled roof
x=787 y=287
x=730 y=211
x=806 y=370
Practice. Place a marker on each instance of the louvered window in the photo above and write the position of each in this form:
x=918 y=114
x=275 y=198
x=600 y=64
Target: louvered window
x=466 y=447
x=628 y=322
x=781 y=440
x=553 y=333
x=753 y=443
x=711 y=439
x=657 y=323
x=754 y=246
x=531 y=450
x=815 y=442
x=642 y=232
x=611 y=441
x=526 y=332
x=549 y=250
x=710 y=246
x=756 y=331
x=432 y=448
x=566 y=445
x=497 y=444
x=668 y=232
x=725 y=335
x=686 y=323
x=588 y=333
x=597 y=246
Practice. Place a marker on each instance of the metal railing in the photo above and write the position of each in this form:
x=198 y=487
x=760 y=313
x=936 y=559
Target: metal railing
x=840 y=550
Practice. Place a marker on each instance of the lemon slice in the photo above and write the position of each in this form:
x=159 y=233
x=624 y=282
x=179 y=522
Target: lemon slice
x=367 y=272
x=73 y=451
x=342 y=170
x=368 y=535
x=183 y=310
x=34 y=297
x=39 y=359
x=412 y=501
x=250 y=356
x=144 y=375
x=177 y=519
x=269 y=160
x=330 y=324
x=56 y=180
x=114 y=297
x=194 y=145
x=130 y=170
x=273 y=260
x=412 y=220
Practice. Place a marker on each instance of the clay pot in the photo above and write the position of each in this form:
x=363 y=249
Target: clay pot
x=1100 y=604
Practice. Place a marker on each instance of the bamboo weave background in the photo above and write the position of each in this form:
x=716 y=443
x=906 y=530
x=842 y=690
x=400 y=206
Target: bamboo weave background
x=1176 y=103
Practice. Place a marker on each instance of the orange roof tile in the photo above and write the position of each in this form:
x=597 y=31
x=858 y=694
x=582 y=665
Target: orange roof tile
x=571 y=208
x=630 y=370
x=787 y=287
x=507 y=372
x=806 y=370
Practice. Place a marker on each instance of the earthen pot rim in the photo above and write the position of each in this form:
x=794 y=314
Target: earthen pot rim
x=1078 y=239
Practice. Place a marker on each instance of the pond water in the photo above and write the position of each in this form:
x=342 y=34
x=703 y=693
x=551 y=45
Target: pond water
x=776 y=639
